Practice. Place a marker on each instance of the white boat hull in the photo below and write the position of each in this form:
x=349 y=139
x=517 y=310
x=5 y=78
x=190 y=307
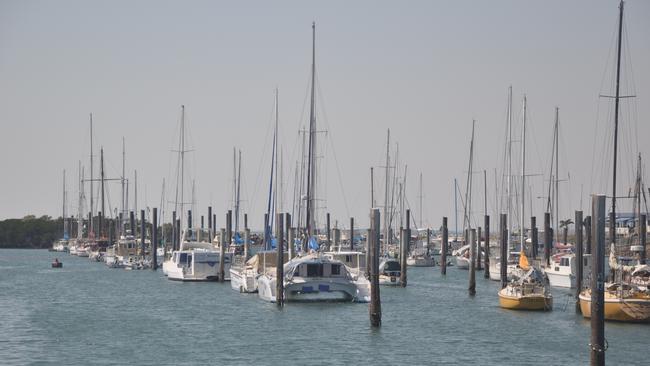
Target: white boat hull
x=244 y=281
x=462 y=262
x=561 y=279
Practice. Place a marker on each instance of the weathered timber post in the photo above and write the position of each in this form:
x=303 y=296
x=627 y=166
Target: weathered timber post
x=486 y=263
x=329 y=233
x=222 y=256
x=143 y=232
x=472 y=262
x=374 y=307
x=579 y=257
x=154 y=240
x=533 y=236
x=478 y=265
x=643 y=234
x=444 y=246
x=279 y=267
x=247 y=238
x=548 y=238
x=351 y=233
x=597 y=282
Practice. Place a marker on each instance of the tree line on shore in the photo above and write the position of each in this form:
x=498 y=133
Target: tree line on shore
x=30 y=232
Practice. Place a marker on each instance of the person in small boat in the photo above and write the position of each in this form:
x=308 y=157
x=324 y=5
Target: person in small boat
x=56 y=260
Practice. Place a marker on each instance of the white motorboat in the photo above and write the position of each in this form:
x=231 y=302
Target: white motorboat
x=420 y=260
x=355 y=263
x=563 y=270
x=61 y=245
x=495 y=266
x=390 y=271
x=312 y=278
x=197 y=259
x=243 y=275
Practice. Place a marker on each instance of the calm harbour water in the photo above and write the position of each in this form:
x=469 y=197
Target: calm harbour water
x=86 y=313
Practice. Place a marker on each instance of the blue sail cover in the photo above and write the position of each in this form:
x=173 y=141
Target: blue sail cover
x=238 y=239
x=274 y=242
x=66 y=236
x=313 y=244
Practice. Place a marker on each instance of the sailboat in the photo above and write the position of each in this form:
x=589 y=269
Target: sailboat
x=313 y=276
x=197 y=259
x=529 y=288
x=61 y=245
x=624 y=300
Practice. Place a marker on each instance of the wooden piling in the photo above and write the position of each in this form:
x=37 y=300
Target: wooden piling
x=267 y=234
x=643 y=234
x=597 y=282
x=279 y=273
x=351 y=233
x=142 y=234
x=478 y=250
x=402 y=257
x=178 y=234
x=287 y=233
x=202 y=222
x=368 y=251
x=132 y=223
x=533 y=239
x=189 y=219
x=214 y=227
x=548 y=238
x=374 y=307
x=291 y=241
x=229 y=227
x=246 y=221
x=503 y=245
x=472 y=262
x=443 y=247
x=587 y=223
x=222 y=256
x=579 y=257
x=210 y=222
x=428 y=242
x=247 y=238
x=329 y=233
x=174 y=233
x=486 y=260
x=154 y=240
x=337 y=238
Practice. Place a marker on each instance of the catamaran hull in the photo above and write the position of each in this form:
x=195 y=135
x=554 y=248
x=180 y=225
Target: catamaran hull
x=313 y=291
x=617 y=309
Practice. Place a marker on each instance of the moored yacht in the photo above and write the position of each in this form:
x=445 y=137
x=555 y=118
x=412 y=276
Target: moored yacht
x=312 y=278
x=390 y=271
x=197 y=259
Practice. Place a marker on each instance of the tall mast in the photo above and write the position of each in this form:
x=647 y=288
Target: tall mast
x=80 y=210
x=612 y=224
x=420 y=199
x=135 y=194
x=65 y=228
x=181 y=164
x=557 y=172
x=124 y=202
x=275 y=154
x=270 y=203
x=101 y=170
x=509 y=178
x=386 y=230
x=238 y=194
x=468 y=190
x=523 y=177
x=311 y=168
x=455 y=209
x=90 y=230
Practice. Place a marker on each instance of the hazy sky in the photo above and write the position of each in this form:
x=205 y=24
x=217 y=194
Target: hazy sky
x=423 y=69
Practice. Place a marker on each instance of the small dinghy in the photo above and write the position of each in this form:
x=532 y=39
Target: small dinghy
x=57 y=264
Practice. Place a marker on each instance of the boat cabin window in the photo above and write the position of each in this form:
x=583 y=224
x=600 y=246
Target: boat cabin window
x=392 y=266
x=314 y=270
x=348 y=259
x=336 y=269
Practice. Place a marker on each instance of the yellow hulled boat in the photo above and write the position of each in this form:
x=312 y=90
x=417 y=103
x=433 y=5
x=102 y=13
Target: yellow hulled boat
x=528 y=290
x=626 y=304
